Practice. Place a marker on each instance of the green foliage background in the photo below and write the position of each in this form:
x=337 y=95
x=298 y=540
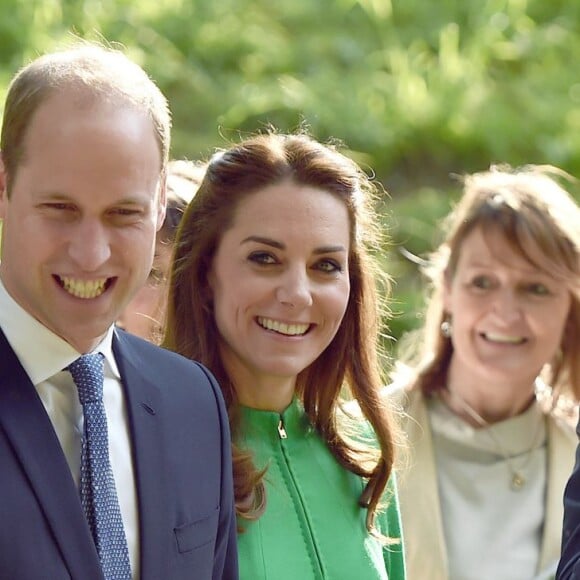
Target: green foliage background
x=416 y=90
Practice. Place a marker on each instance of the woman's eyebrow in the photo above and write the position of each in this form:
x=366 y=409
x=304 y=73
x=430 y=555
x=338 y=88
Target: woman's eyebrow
x=281 y=246
x=266 y=241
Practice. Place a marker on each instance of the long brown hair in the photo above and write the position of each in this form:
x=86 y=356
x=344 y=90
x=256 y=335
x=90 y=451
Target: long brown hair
x=542 y=223
x=349 y=368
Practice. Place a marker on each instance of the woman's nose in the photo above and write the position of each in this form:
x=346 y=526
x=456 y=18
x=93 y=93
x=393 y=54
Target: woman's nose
x=294 y=290
x=507 y=306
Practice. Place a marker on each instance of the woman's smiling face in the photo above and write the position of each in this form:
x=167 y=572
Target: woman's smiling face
x=508 y=316
x=280 y=282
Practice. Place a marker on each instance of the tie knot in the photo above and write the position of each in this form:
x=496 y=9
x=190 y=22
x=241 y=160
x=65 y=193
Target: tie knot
x=87 y=373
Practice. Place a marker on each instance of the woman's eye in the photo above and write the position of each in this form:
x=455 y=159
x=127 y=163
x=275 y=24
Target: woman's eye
x=481 y=282
x=262 y=258
x=329 y=266
x=538 y=289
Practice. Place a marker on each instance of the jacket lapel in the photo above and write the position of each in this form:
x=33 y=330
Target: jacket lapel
x=419 y=497
x=32 y=436
x=561 y=448
x=144 y=410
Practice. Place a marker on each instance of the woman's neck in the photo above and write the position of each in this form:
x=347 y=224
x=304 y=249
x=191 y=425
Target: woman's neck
x=473 y=399
x=264 y=393
x=257 y=389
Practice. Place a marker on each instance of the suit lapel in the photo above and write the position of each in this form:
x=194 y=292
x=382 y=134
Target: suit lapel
x=144 y=410
x=32 y=436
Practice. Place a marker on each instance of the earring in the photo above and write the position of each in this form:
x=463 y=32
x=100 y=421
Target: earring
x=446 y=328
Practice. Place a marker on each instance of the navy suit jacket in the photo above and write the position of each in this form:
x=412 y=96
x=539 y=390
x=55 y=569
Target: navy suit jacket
x=569 y=566
x=182 y=460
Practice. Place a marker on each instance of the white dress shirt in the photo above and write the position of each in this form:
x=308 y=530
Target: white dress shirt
x=43 y=356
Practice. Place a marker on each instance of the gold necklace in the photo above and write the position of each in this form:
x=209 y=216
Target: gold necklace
x=518 y=480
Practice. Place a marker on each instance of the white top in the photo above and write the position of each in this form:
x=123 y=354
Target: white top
x=43 y=364
x=477 y=500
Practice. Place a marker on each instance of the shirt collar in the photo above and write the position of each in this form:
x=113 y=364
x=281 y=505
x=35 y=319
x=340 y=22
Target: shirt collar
x=51 y=353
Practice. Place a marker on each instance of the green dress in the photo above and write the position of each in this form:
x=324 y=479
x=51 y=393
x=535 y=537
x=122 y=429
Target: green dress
x=313 y=527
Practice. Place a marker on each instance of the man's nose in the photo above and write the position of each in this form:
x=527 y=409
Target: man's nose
x=89 y=245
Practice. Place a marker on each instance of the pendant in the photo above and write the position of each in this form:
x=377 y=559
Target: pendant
x=518 y=481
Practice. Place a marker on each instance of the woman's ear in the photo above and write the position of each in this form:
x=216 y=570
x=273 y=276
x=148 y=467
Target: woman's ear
x=570 y=330
x=446 y=290
x=210 y=279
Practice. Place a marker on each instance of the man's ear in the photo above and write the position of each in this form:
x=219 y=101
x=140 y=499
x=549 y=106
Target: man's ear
x=3 y=191
x=162 y=200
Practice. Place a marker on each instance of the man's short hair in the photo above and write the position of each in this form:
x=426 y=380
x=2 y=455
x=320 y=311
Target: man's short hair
x=98 y=73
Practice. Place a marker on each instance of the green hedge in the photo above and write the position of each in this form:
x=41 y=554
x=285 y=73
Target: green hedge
x=415 y=90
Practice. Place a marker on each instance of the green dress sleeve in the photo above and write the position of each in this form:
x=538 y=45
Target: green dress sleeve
x=390 y=526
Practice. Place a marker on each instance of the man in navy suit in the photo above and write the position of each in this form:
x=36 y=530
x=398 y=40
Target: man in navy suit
x=84 y=147
x=569 y=565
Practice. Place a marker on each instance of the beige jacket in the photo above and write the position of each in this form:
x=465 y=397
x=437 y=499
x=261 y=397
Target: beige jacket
x=425 y=549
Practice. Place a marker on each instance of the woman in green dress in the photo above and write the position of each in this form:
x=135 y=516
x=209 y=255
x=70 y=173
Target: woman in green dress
x=273 y=287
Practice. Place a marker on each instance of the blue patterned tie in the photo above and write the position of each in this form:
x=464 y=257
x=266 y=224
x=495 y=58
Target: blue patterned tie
x=98 y=494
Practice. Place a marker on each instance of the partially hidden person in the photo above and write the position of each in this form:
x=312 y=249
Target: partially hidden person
x=145 y=314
